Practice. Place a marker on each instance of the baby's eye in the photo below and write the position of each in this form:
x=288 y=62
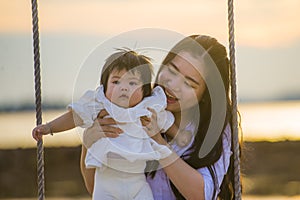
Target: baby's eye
x=116 y=82
x=133 y=83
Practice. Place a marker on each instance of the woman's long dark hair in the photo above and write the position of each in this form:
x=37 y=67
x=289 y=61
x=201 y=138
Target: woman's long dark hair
x=217 y=52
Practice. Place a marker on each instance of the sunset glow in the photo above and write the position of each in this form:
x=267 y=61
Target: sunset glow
x=258 y=23
x=267 y=39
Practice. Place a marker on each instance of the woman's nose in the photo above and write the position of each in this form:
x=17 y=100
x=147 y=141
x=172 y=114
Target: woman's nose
x=174 y=83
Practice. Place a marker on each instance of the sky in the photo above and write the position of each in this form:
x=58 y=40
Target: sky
x=267 y=35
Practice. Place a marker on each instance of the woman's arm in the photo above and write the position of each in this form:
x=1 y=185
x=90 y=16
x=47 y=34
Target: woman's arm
x=186 y=179
x=87 y=174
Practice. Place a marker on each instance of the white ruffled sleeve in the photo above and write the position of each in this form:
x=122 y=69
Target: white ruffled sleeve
x=87 y=108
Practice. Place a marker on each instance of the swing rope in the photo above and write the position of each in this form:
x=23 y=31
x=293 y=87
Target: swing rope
x=236 y=154
x=38 y=104
x=40 y=148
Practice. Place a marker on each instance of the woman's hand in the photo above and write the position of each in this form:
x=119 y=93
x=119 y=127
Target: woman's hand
x=102 y=127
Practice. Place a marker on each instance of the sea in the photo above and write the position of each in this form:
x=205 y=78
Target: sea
x=267 y=121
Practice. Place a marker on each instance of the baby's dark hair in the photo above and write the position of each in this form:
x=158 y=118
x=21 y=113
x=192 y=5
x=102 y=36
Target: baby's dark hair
x=130 y=61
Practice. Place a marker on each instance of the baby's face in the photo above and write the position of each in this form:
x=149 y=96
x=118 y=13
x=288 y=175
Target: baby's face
x=124 y=88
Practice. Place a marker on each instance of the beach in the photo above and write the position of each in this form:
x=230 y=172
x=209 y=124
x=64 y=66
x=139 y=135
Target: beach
x=267 y=169
x=269 y=165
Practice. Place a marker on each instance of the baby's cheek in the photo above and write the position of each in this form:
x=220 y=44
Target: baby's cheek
x=136 y=97
x=110 y=93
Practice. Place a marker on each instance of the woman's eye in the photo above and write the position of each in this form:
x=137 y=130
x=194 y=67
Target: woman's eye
x=187 y=83
x=116 y=82
x=172 y=70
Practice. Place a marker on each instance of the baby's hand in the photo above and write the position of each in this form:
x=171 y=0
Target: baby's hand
x=150 y=123
x=39 y=131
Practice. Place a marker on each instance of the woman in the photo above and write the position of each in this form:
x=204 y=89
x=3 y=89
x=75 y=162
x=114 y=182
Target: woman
x=195 y=78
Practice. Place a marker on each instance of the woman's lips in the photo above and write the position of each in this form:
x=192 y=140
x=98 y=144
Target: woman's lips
x=170 y=97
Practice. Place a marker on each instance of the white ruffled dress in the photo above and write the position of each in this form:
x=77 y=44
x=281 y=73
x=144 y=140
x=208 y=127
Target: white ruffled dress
x=133 y=144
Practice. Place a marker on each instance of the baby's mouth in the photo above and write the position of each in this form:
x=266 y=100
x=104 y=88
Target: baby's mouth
x=124 y=96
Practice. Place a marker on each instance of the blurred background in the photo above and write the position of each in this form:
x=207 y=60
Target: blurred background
x=267 y=35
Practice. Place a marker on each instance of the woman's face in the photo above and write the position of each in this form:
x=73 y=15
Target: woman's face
x=182 y=82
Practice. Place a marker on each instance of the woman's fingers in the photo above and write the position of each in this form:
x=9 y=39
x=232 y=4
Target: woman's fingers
x=102 y=113
x=110 y=129
x=111 y=135
x=106 y=121
x=91 y=135
x=102 y=127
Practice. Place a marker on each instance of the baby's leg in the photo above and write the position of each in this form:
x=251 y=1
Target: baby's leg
x=116 y=184
x=145 y=193
x=106 y=185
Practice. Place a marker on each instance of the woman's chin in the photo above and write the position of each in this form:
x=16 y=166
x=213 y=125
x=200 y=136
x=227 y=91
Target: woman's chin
x=173 y=106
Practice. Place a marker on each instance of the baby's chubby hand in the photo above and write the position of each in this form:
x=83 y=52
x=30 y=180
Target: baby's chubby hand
x=150 y=123
x=39 y=131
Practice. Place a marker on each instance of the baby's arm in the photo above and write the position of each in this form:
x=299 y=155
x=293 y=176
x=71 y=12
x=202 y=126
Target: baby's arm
x=64 y=122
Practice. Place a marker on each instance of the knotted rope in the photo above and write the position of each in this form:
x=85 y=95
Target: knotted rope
x=237 y=185
x=38 y=105
x=40 y=148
